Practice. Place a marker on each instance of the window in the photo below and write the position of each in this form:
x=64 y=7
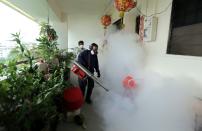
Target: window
x=11 y=22
x=186 y=28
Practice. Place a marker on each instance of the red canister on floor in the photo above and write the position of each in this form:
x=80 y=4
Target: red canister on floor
x=73 y=98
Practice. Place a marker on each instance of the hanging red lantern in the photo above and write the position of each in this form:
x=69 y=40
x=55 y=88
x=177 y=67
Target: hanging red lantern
x=131 y=5
x=123 y=6
x=106 y=20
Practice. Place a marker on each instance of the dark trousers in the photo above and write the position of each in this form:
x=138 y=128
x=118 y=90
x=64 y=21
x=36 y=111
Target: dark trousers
x=90 y=85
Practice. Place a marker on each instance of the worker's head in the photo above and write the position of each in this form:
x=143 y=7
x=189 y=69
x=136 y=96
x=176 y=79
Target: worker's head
x=94 y=48
x=81 y=44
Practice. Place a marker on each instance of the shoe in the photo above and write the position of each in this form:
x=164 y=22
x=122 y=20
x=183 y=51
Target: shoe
x=89 y=101
x=78 y=120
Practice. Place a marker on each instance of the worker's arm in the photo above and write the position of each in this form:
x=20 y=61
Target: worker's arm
x=97 y=66
x=81 y=59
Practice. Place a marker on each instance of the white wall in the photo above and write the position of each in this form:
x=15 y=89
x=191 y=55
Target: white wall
x=157 y=59
x=38 y=9
x=89 y=29
x=84 y=27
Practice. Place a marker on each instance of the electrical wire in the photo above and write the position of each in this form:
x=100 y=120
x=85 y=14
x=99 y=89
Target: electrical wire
x=48 y=17
x=108 y=7
x=158 y=13
x=146 y=6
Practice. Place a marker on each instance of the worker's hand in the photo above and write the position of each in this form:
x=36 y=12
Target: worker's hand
x=98 y=74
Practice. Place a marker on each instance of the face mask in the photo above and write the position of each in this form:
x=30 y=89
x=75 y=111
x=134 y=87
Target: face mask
x=81 y=46
x=92 y=52
x=95 y=50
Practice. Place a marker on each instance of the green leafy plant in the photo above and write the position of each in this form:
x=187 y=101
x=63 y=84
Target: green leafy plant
x=48 y=31
x=47 y=47
x=26 y=95
x=22 y=51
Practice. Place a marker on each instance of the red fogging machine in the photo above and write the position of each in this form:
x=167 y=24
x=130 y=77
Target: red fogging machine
x=83 y=73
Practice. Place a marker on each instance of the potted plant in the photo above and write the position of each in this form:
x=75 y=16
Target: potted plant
x=27 y=100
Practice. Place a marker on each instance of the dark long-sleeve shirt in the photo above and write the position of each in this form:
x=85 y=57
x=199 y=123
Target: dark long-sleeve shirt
x=89 y=61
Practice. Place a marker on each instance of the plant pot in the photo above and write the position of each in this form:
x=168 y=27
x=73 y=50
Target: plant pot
x=54 y=62
x=43 y=67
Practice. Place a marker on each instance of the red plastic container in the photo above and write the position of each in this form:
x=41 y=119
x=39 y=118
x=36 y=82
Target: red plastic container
x=129 y=82
x=73 y=98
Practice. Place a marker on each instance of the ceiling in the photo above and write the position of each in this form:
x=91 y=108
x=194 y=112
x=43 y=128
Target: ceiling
x=83 y=6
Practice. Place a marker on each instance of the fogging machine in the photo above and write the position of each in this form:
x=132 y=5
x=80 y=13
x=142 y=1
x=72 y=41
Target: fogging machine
x=83 y=73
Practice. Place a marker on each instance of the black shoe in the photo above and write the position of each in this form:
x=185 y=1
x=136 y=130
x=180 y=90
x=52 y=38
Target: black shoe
x=89 y=101
x=79 y=120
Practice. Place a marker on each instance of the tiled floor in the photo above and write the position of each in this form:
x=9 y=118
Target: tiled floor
x=93 y=120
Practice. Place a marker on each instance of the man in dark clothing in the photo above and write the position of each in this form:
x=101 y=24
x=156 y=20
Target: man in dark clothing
x=80 y=48
x=88 y=58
